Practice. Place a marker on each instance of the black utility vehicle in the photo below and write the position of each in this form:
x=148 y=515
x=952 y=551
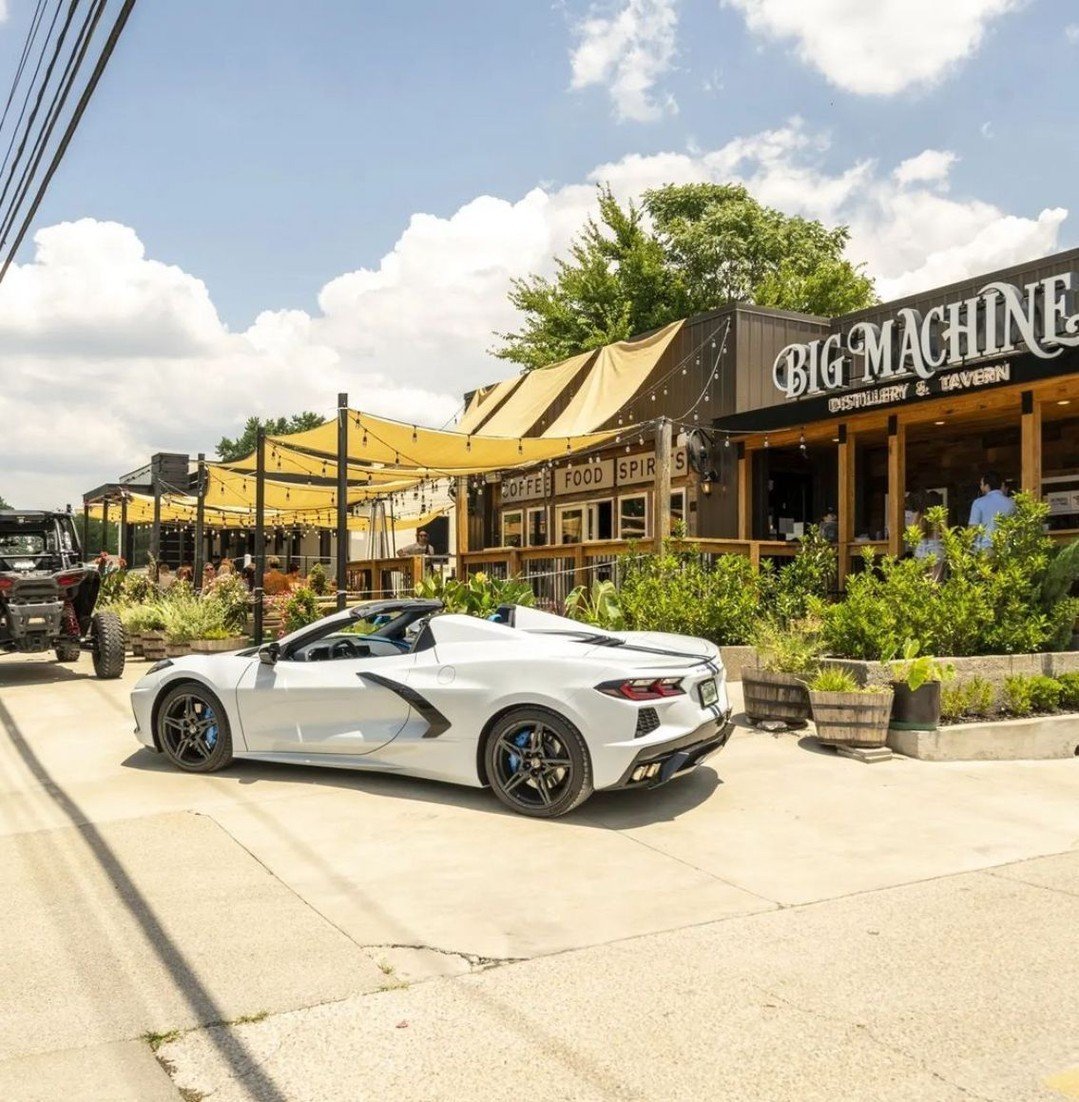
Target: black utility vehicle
x=48 y=594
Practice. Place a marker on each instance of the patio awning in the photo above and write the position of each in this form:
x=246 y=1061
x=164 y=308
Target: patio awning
x=619 y=372
x=525 y=407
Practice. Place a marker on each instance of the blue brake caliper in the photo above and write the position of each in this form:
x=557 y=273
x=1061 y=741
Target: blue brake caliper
x=520 y=739
x=210 y=738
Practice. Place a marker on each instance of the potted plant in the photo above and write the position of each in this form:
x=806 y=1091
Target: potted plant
x=217 y=641
x=153 y=633
x=846 y=714
x=775 y=690
x=916 y=682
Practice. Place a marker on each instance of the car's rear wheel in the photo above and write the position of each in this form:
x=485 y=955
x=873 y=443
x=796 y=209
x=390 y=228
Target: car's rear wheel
x=537 y=763
x=68 y=650
x=193 y=730
x=109 y=649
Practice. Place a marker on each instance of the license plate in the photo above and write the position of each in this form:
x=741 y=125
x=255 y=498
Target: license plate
x=709 y=693
x=34 y=621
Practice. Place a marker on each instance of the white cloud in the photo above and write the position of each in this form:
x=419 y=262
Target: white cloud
x=627 y=51
x=881 y=47
x=110 y=354
x=1071 y=32
x=931 y=165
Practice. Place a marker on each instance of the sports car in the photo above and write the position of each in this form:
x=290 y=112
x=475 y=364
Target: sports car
x=542 y=709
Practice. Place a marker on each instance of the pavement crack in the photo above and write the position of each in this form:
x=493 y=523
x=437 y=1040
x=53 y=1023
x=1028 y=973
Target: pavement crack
x=1031 y=883
x=476 y=960
x=867 y=1031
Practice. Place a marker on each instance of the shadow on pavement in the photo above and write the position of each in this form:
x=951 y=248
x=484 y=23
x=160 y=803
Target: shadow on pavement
x=609 y=810
x=14 y=672
x=170 y=955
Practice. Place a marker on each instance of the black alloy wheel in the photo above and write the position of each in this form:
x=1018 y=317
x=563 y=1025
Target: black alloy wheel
x=537 y=763
x=193 y=730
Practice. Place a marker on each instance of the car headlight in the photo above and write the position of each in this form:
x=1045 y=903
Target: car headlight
x=158 y=666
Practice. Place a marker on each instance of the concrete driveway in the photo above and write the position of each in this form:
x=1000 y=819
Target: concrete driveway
x=139 y=901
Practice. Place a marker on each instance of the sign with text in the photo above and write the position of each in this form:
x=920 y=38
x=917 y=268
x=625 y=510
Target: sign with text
x=911 y=348
x=526 y=487
x=634 y=469
x=968 y=379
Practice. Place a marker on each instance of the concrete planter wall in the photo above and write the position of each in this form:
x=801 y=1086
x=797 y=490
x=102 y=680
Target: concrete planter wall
x=993 y=667
x=734 y=658
x=1033 y=739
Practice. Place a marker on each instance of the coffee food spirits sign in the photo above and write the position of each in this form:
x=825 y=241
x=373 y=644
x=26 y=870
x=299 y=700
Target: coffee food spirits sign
x=913 y=345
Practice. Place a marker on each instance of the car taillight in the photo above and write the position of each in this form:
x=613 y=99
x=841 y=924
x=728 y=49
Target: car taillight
x=65 y=581
x=643 y=688
x=6 y=584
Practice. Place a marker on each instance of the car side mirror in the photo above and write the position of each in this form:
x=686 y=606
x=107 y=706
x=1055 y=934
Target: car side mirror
x=269 y=654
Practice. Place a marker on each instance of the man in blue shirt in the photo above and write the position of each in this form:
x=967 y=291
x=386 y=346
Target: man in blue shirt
x=985 y=511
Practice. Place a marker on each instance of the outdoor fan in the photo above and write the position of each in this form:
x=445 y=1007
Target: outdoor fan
x=699 y=453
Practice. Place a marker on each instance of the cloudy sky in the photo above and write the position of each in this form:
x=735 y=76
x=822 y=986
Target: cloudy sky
x=271 y=203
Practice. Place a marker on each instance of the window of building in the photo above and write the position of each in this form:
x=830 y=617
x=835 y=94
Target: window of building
x=678 y=509
x=633 y=517
x=537 y=527
x=583 y=523
x=512 y=528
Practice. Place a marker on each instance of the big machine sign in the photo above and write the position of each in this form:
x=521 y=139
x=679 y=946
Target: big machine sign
x=915 y=346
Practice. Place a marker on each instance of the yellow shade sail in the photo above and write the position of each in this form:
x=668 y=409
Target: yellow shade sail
x=485 y=402
x=417 y=452
x=522 y=410
x=619 y=372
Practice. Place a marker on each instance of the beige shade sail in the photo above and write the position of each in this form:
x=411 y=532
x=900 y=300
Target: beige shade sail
x=485 y=402
x=409 y=453
x=225 y=486
x=619 y=372
x=183 y=510
x=522 y=410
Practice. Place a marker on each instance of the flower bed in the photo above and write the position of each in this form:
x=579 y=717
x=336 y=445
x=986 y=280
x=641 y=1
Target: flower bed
x=1033 y=739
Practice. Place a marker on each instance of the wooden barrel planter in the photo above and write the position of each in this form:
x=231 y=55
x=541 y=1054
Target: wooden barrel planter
x=852 y=719
x=154 y=647
x=136 y=644
x=218 y=646
x=774 y=697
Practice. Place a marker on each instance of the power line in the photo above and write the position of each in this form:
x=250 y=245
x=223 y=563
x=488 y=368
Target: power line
x=74 y=62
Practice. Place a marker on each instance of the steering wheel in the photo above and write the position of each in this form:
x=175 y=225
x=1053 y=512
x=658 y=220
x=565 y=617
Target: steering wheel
x=344 y=648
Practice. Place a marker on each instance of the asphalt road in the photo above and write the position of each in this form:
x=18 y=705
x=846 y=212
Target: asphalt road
x=783 y=924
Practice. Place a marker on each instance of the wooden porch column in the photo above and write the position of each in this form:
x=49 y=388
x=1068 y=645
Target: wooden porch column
x=897 y=484
x=745 y=495
x=661 y=524
x=845 y=496
x=1030 y=446
x=461 y=523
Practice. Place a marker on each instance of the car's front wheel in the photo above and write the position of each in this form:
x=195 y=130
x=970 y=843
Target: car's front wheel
x=193 y=730
x=537 y=763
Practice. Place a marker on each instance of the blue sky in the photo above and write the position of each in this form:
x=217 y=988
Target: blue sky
x=243 y=207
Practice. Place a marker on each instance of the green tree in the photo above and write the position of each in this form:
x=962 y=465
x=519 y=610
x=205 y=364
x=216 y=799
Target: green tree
x=615 y=282
x=244 y=444
x=689 y=248
x=3 y=503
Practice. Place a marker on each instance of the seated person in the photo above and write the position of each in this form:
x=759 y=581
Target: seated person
x=422 y=546
x=273 y=581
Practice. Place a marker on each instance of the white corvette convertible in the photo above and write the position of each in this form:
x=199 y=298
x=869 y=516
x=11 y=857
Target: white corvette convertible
x=543 y=709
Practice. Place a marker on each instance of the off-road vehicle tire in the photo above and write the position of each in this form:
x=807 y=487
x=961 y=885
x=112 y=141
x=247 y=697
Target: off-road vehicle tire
x=68 y=650
x=109 y=646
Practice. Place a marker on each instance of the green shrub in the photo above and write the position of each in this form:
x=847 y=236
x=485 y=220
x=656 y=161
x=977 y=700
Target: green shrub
x=317 y=581
x=833 y=679
x=1069 y=691
x=916 y=670
x=679 y=591
x=1045 y=693
x=787 y=592
x=795 y=648
x=600 y=605
x=298 y=609
x=477 y=595
x=994 y=602
x=231 y=593
x=970 y=699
